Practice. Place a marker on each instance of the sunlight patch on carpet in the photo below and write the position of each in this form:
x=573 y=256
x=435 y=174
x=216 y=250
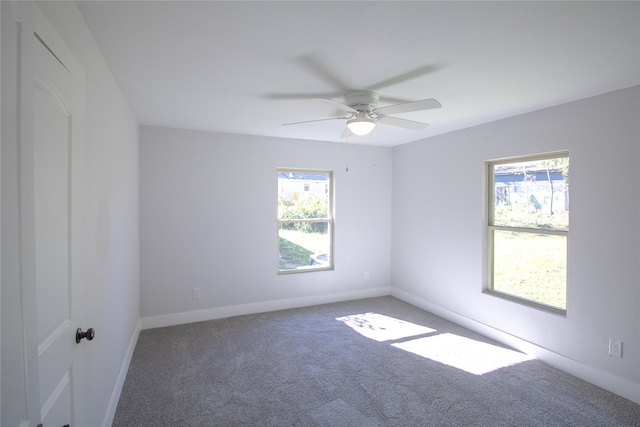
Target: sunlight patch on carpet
x=472 y=356
x=383 y=328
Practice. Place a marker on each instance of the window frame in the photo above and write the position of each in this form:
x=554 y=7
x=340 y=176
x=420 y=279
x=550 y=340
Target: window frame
x=491 y=228
x=329 y=190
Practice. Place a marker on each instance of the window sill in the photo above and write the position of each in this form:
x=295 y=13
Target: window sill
x=526 y=302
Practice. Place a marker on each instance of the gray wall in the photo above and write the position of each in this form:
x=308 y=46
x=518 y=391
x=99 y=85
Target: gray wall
x=208 y=220
x=439 y=227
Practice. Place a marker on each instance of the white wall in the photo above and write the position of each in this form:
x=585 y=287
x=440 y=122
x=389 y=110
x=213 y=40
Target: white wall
x=109 y=223
x=208 y=220
x=439 y=217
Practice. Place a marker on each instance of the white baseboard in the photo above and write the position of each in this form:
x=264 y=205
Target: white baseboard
x=124 y=368
x=602 y=379
x=259 y=307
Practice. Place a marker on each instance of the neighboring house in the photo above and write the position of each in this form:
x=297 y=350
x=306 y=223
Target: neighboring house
x=531 y=186
x=302 y=185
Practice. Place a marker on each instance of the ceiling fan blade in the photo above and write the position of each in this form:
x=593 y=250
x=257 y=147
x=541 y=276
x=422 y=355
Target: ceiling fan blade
x=410 y=75
x=391 y=100
x=316 y=68
x=286 y=96
x=311 y=121
x=425 y=104
x=340 y=106
x=402 y=123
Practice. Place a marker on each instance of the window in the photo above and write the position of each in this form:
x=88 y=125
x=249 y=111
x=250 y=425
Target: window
x=305 y=220
x=528 y=229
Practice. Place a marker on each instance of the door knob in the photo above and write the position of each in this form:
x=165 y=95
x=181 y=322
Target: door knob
x=89 y=334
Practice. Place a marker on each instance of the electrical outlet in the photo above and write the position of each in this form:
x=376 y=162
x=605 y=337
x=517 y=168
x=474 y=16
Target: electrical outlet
x=195 y=293
x=366 y=275
x=615 y=348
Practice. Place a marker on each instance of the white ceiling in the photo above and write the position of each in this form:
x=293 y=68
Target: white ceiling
x=248 y=67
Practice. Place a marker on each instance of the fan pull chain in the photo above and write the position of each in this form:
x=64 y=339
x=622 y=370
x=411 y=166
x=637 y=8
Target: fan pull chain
x=374 y=148
x=347 y=155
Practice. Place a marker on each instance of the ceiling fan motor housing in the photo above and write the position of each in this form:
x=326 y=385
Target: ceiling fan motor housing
x=362 y=100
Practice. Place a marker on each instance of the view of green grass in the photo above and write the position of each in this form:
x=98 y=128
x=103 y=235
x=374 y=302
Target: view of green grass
x=531 y=266
x=296 y=246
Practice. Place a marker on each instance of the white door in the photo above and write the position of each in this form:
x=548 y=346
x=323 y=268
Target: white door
x=58 y=104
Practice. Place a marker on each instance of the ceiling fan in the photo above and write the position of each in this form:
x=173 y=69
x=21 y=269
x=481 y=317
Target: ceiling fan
x=364 y=113
x=361 y=106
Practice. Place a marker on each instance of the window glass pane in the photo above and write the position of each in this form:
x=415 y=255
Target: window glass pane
x=304 y=245
x=531 y=266
x=532 y=194
x=303 y=195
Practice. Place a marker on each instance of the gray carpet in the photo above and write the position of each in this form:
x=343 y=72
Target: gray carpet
x=372 y=362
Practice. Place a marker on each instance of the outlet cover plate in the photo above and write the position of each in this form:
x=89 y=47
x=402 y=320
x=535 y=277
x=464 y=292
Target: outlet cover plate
x=615 y=348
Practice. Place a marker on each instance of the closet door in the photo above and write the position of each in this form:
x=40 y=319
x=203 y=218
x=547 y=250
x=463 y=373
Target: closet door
x=57 y=130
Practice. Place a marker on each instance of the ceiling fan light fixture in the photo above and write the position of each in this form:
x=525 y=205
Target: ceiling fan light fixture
x=361 y=125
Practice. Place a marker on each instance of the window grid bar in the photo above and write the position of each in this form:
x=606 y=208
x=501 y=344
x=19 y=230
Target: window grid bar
x=529 y=230
x=282 y=221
